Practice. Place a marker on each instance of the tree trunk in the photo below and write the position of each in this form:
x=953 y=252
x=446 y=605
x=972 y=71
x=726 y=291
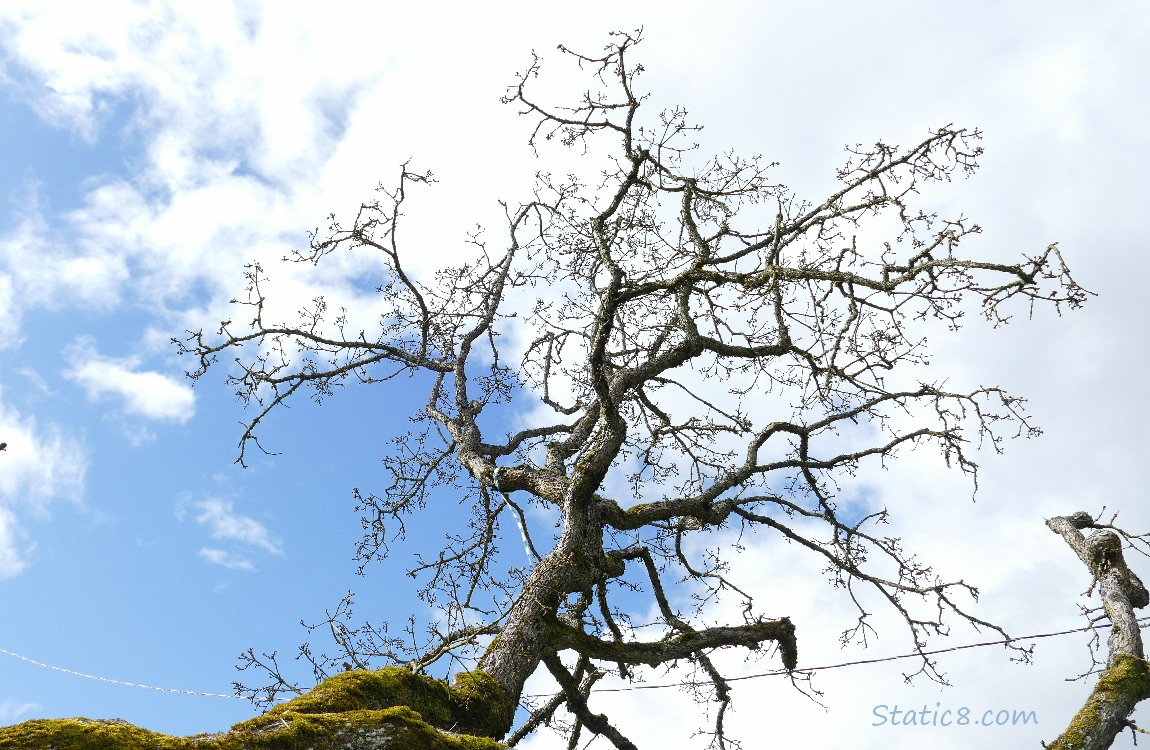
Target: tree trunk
x=1126 y=679
x=573 y=565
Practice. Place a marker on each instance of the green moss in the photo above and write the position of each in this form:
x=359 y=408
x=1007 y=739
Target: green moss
x=480 y=705
x=84 y=734
x=391 y=686
x=1128 y=676
x=475 y=705
x=391 y=707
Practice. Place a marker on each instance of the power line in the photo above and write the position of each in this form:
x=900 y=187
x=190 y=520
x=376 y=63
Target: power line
x=688 y=683
x=118 y=682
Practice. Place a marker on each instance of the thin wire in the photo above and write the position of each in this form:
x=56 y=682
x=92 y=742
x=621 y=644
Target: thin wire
x=777 y=672
x=774 y=673
x=118 y=682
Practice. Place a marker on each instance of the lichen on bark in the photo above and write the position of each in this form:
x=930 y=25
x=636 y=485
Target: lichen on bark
x=1126 y=680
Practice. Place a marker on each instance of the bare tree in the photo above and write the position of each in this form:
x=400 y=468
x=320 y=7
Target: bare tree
x=699 y=339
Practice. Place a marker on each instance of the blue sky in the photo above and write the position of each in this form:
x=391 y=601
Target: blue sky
x=151 y=149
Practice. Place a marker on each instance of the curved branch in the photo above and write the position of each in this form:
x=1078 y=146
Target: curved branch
x=1126 y=680
x=682 y=646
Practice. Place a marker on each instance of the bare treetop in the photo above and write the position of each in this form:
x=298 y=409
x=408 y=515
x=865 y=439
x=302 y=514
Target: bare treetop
x=699 y=350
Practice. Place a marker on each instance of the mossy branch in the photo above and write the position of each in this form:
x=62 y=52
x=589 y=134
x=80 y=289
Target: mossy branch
x=388 y=709
x=1126 y=680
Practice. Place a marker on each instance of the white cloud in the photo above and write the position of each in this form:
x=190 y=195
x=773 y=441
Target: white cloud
x=12 y=556
x=244 y=147
x=39 y=464
x=11 y=711
x=9 y=313
x=149 y=394
x=36 y=271
x=225 y=523
x=226 y=559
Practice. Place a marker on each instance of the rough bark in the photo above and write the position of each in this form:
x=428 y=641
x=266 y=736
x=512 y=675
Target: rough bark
x=1125 y=682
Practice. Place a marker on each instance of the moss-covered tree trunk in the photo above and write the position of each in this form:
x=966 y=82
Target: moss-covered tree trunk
x=1126 y=680
x=389 y=709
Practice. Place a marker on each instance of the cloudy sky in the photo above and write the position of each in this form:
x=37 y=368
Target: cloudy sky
x=150 y=150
